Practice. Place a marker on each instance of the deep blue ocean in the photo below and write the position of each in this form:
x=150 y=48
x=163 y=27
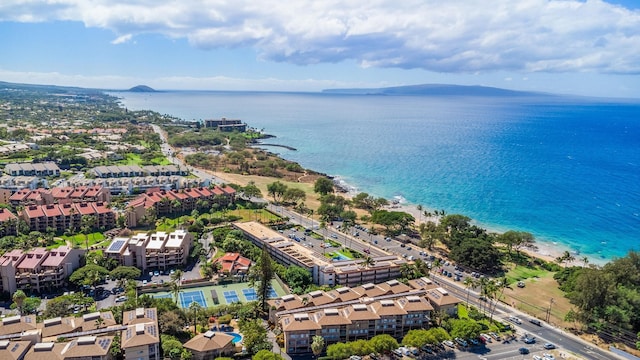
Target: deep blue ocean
x=565 y=169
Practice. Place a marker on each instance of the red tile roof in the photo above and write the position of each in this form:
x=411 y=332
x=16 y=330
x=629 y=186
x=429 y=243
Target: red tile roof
x=33 y=211
x=33 y=258
x=51 y=210
x=61 y=192
x=84 y=209
x=93 y=191
x=101 y=208
x=20 y=195
x=79 y=192
x=6 y=215
x=56 y=256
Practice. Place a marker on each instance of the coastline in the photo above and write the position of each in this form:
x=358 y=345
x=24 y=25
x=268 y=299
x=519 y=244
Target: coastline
x=544 y=250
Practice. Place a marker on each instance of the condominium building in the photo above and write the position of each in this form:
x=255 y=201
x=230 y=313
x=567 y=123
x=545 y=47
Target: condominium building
x=166 y=202
x=38 y=269
x=13 y=350
x=60 y=195
x=159 y=251
x=17 y=324
x=141 y=339
x=348 y=314
x=60 y=217
x=82 y=348
x=32 y=169
x=8 y=223
x=324 y=271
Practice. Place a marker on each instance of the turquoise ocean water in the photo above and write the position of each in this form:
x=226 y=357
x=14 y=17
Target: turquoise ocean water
x=565 y=169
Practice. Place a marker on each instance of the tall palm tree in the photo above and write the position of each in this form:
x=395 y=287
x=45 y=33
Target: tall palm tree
x=585 y=261
x=317 y=345
x=368 y=261
x=469 y=283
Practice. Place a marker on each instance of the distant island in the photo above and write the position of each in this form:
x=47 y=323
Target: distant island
x=142 y=88
x=434 y=90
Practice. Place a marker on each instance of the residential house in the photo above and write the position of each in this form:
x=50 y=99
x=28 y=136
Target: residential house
x=211 y=345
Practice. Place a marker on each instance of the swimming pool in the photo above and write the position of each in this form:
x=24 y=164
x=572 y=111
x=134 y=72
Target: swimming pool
x=236 y=337
x=338 y=256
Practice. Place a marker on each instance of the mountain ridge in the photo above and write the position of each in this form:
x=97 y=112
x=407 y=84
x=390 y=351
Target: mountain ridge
x=435 y=89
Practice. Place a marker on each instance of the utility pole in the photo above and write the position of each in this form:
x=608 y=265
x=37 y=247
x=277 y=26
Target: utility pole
x=549 y=310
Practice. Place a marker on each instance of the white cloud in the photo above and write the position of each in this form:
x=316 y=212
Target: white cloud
x=464 y=36
x=122 y=39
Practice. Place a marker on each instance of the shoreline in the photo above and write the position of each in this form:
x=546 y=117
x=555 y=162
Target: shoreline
x=547 y=251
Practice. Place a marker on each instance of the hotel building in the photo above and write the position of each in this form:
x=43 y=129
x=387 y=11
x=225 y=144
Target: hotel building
x=348 y=314
x=324 y=271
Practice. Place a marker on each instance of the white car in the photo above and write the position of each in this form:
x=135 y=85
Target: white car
x=537 y=357
x=548 y=356
x=515 y=320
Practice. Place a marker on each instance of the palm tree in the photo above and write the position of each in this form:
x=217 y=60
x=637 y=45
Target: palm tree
x=317 y=345
x=18 y=297
x=99 y=322
x=368 y=261
x=419 y=208
x=585 y=261
x=469 y=283
x=174 y=288
x=194 y=307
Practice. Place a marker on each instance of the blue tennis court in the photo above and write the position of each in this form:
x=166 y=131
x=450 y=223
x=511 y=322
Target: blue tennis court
x=272 y=293
x=187 y=297
x=250 y=294
x=231 y=296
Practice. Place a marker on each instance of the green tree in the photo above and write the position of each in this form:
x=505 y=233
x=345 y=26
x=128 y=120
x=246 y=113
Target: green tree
x=464 y=328
x=171 y=347
x=383 y=343
x=276 y=189
x=254 y=336
x=297 y=277
x=323 y=186
x=260 y=276
x=293 y=195
x=266 y=355
x=339 y=351
x=317 y=345
x=18 y=297
x=125 y=272
x=251 y=190
x=416 y=338
x=90 y=275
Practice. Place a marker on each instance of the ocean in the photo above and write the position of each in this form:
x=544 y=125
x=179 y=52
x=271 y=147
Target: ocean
x=566 y=169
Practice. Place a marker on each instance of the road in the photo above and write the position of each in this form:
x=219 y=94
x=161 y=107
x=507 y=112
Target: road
x=379 y=246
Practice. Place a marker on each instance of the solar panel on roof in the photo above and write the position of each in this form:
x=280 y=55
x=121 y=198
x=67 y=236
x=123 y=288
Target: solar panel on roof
x=15 y=347
x=27 y=320
x=116 y=245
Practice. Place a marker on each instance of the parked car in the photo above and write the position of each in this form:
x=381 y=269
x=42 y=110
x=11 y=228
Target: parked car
x=121 y=299
x=520 y=284
x=462 y=342
x=495 y=336
x=523 y=350
x=537 y=357
x=529 y=340
x=549 y=346
x=449 y=343
x=548 y=356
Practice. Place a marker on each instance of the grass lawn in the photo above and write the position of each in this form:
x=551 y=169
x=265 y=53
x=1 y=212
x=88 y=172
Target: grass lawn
x=536 y=296
x=79 y=239
x=521 y=273
x=463 y=313
x=57 y=242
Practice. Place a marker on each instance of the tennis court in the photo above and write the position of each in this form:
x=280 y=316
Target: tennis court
x=231 y=296
x=163 y=296
x=250 y=294
x=212 y=295
x=187 y=297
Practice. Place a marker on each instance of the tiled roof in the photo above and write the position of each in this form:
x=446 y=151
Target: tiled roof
x=209 y=341
x=6 y=215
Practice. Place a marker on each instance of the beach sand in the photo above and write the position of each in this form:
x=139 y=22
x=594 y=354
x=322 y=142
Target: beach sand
x=543 y=250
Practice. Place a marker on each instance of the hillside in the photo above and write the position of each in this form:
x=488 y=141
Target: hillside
x=434 y=90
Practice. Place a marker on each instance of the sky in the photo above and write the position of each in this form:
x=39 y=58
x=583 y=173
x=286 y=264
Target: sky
x=582 y=47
